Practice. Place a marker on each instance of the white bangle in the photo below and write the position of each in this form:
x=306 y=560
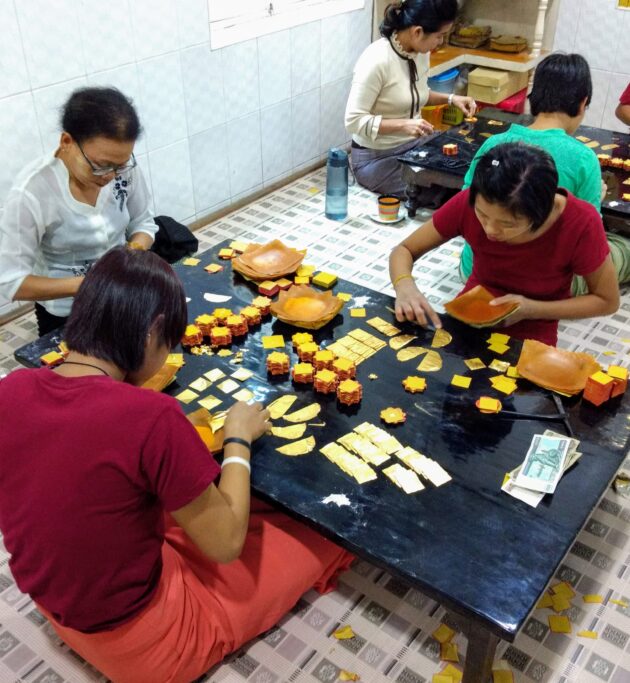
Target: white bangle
x=450 y=99
x=236 y=460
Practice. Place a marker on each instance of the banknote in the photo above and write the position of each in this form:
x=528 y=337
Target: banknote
x=527 y=495
x=544 y=463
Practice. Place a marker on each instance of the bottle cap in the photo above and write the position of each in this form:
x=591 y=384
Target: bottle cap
x=337 y=157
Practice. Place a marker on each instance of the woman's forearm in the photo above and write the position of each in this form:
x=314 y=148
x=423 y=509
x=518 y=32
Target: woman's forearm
x=400 y=263
x=585 y=306
x=142 y=240
x=40 y=288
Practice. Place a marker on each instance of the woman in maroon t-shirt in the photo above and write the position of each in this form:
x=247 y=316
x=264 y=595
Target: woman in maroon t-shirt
x=623 y=108
x=146 y=561
x=528 y=237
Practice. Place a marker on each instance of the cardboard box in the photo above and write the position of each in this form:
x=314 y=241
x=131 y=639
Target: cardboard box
x=492 y=86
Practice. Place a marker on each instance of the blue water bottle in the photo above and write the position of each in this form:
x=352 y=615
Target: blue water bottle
x=337 y=184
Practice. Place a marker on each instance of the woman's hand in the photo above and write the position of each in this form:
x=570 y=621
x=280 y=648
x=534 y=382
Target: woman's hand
x=466 y=104
x=417 y=127
x=526 y=308
x=247 y=421
x=411 y=305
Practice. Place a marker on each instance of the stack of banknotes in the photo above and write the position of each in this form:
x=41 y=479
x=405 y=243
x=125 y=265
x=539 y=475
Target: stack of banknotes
x=549 y=456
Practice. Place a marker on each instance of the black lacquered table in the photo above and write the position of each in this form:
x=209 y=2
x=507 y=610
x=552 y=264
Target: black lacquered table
x=485 y=556
x=428 y=166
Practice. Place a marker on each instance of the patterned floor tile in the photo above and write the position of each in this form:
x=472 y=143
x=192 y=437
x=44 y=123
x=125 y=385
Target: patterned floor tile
x=393 y=622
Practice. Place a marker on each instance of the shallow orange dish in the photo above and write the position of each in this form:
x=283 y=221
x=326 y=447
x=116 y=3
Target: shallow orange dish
x=303 y=306
x=474 y=308
x=555 y=369
x=269 y=261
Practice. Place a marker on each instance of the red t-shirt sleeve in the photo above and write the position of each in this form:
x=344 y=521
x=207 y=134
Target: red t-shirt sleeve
x=176 y=463
x=449 y=219
x=625 y=96
x=591 y=248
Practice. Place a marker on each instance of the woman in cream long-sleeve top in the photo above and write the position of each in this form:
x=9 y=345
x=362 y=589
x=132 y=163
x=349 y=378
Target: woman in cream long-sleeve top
x=389 y=88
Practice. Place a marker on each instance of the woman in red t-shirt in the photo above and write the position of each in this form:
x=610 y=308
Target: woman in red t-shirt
x=623 y=108
x=528 y=237
x=90 y=463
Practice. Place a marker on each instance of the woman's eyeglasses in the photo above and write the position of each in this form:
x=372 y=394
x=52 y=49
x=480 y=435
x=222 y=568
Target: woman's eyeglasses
x=106 y=170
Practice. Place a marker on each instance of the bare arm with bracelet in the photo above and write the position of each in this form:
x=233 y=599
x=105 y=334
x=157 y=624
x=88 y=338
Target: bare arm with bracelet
x=217 y=520
x=410 y=302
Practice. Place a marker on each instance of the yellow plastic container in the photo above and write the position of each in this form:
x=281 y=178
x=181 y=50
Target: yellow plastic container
x=433 y=114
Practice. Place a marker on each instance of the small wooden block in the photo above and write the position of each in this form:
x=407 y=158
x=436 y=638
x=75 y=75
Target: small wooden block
x=593 y=598
x=357 y=312
x=460 y=381
x=302 y=279
x=191 y=261
x=284 y=283
x=559 y=624
x=268 y=288
x=52 y=358
x=273 y=341
x=620 y=379
x=226 y=253
x=443 y=634
x=598 y=388
x=324 y=280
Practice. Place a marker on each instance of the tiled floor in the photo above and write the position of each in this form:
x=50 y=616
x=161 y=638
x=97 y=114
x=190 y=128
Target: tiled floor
x=393 y=623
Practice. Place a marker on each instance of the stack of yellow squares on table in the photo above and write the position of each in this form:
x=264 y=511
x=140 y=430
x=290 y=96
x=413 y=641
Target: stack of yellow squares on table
x=356 y=452
x=358 y=345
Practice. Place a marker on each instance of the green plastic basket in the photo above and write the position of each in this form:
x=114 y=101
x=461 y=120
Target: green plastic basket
x=452 y=115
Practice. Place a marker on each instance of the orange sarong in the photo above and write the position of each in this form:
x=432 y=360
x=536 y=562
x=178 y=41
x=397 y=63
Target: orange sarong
x=202 y=610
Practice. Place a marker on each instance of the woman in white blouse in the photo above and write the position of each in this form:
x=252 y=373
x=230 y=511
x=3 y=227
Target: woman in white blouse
x=389 y=88
x=67 y=209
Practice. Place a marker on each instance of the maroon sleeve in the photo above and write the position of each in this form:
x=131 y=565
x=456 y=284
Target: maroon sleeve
x=449 y=219
x=177 y=465
x=591 y=248
x=625 y=96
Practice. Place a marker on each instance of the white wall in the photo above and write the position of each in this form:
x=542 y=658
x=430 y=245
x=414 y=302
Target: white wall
x=219 y=124
x=600 y=32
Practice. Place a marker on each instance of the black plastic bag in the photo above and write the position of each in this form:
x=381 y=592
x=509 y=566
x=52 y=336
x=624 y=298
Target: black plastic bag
x=173 y=240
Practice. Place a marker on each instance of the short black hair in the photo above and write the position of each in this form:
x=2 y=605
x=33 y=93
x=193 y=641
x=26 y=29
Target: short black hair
x=521 y=178
x=561 y=83
x=123 y=294
x=100 y=112
x=430 y=14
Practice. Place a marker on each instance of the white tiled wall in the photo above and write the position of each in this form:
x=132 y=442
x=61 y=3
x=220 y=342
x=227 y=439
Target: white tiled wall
x=218 y=124
x=600 y=32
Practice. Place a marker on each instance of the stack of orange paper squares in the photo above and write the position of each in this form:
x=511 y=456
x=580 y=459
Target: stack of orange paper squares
x=205 y=323
x=277 y=363
x=303 y=373
x=252 y=314
x=192 y=336
x=237 y=324
x=345 y=368
x=220 y=336
x=306 y=352
x=325 y=381
x=349 y=392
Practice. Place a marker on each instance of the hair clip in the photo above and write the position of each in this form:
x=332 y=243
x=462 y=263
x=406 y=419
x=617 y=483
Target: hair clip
x=495 y=162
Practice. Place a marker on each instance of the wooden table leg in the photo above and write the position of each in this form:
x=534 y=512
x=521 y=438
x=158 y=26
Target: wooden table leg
x=411 y=203
x=480 y=654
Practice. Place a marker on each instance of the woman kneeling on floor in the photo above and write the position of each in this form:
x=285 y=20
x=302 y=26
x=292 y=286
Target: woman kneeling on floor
x=528 y=236
x=146 y=563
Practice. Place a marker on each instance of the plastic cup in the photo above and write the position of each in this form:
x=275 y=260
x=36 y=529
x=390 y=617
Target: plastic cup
x=388 y=207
